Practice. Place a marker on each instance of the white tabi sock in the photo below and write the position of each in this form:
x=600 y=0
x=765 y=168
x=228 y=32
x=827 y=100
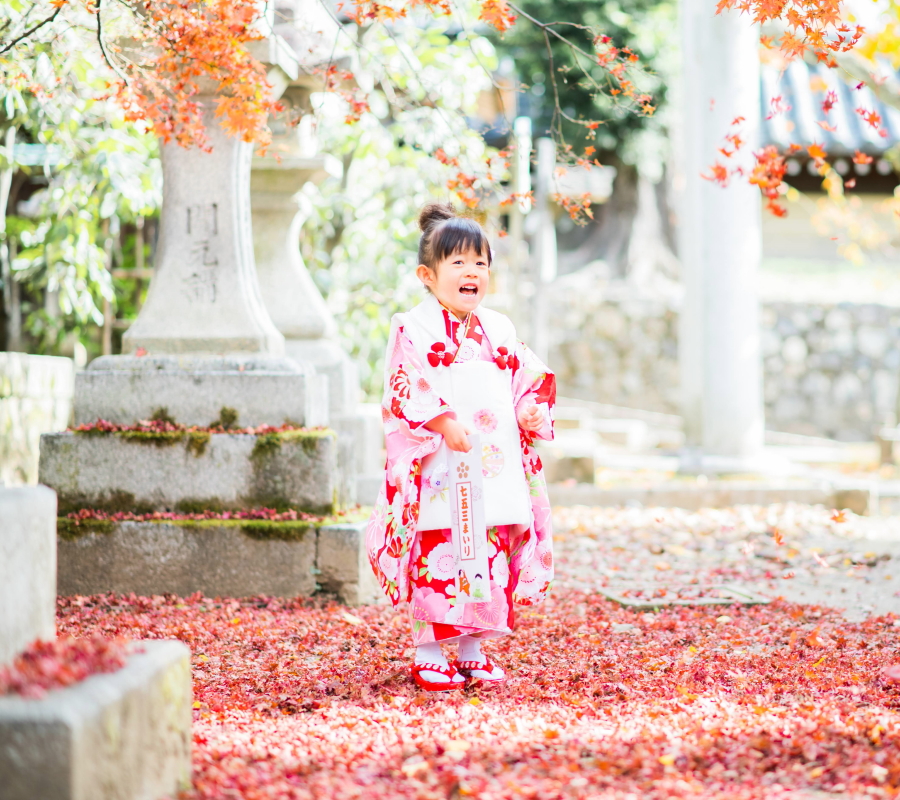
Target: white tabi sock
x=470 y=650
x=431 y=653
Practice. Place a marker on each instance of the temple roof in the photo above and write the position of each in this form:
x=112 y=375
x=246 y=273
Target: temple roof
x=803 y=88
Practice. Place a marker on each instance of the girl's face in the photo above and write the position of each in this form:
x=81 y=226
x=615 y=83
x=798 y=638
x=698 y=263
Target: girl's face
x=460 y=281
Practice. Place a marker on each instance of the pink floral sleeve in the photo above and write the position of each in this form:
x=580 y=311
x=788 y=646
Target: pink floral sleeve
x=408 y=396
x=534 y=385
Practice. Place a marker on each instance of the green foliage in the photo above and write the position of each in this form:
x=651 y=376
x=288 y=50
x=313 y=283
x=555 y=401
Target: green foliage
x=94 y=175
x=644 y=26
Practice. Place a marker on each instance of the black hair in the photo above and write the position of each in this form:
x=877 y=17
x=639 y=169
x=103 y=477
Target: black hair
x=445 y=233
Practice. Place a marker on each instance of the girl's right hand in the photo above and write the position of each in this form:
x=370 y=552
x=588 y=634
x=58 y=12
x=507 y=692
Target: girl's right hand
x=455 y=434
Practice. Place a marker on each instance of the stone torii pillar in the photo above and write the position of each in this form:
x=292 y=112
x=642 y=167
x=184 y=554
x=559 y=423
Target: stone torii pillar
x=720 y=243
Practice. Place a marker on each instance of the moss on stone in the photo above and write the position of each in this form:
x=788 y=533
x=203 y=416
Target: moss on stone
x=157 y=438
x=111 y=503
x=287 y=531
x=197 y=442
x=69 y=530
x=269 y=443
x=197 y=505
x=262 y=529
x=266 y=445
x=227 y=420
x=161 y=414
x=91 y=432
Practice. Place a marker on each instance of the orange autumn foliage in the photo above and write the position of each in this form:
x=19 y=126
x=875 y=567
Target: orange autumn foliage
x=813 y=26
x=186 y=46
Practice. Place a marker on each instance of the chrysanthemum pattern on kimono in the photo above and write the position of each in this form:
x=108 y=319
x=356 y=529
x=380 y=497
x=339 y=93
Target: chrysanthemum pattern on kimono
x=419 y=567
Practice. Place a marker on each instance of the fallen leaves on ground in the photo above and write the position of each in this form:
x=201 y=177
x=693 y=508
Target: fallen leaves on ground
x=53 y=665
x=303 y=699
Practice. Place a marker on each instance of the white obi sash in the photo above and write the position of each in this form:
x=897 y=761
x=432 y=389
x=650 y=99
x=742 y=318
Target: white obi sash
x=481 y=395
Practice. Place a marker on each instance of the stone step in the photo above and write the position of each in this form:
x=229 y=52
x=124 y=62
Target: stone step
x=196 y=396
x=192 y=471
x=125 y=734
x=233 y=558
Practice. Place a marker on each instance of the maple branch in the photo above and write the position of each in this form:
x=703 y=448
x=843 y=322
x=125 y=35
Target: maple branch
x=106 y=56
x=30 y=31
x=557 y=109
x=547 y=27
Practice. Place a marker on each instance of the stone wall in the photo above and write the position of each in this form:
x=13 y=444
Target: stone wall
x=610 y=344
x=829 y=370
x=35 y=398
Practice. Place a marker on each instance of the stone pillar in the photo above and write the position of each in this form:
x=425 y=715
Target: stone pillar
x=291 y=298
x=517 y=246
x=298 y=309
x=720 y=239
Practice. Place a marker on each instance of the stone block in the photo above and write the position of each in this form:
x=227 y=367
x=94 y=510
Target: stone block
x=343 y=564
x=195 y=393
x=27 y=568
x=219 y=559
x=561 y=468
x=226 y=471
x=117 y=736
x=365 y=432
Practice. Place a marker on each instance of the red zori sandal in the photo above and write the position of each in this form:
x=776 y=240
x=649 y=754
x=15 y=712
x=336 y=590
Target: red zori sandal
x=480 y=671
x=433 y=686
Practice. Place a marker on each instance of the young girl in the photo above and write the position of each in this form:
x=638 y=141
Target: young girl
x=449 y=355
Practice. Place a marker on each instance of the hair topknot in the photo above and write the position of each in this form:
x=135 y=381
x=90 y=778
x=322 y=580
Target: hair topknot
x=445 y=233
x=435 y=213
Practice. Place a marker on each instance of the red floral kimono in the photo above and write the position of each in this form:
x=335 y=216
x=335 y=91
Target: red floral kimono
x=420 y=566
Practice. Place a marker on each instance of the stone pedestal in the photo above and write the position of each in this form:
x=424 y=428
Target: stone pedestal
x=125 y=734
x=27 y=568
x=720 y=241
x=220 y=558
x=193 y=390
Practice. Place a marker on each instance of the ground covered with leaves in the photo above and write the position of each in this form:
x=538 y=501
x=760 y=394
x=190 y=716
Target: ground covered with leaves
x=307 y=699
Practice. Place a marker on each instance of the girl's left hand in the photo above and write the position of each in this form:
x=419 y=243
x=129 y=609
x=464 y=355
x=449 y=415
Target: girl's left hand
x=531 y=419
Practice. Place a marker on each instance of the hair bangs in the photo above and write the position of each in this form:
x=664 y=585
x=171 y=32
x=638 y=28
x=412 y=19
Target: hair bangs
x=459 y=235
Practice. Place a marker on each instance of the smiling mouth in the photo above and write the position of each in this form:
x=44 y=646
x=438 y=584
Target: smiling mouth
x=469 y=290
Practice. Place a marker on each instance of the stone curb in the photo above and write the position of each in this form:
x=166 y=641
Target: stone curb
x=117 y=736
x=716 y=494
